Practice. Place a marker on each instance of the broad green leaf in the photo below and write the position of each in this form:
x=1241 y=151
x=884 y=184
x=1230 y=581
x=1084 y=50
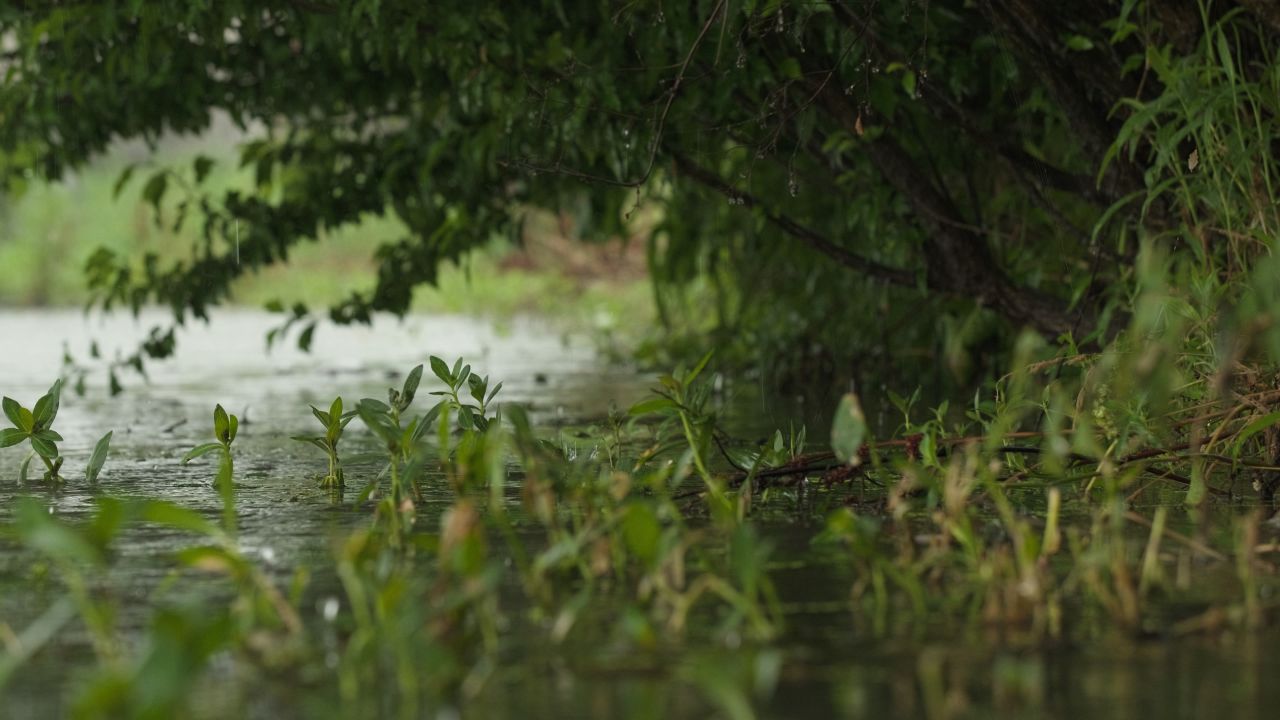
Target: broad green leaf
x=44 y=447
x=40 y=531
x=98 y=458
x=441 y=370
x=11 y=436
x=202 y=167
x=379 y=423
x=848 y=430
x=153 y=191
x=321 y=415
x=376 y=406
x=335 y=410
x=233 y=427
x=13 y=411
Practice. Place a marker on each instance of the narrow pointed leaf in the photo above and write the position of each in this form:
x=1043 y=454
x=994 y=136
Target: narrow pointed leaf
x=98 y=458
x=199 y=450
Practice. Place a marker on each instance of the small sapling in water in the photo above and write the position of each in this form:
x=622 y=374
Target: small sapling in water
x=334 y=422
x=36 y=426
x=224 y=432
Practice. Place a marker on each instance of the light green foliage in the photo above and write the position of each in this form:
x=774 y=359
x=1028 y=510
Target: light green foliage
x=333 y=422
x=36 y=427
x=225 y=428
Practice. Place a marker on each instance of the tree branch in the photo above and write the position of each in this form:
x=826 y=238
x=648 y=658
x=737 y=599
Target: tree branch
x=813 y=239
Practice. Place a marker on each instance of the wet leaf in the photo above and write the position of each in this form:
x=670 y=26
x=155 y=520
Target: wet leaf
x=11 y=436
x=199 y=450
x=98 y=458
x=13 y=411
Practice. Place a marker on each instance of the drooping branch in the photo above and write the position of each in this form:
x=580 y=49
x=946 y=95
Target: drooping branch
x=810 y=237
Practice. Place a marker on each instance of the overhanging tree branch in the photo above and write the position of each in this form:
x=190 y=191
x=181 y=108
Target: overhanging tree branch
x=813 y=239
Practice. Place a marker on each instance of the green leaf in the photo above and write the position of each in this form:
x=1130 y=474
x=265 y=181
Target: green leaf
x=652 y=405
x=441 y=371
x=44 y=447
x=153 y=192
x=98 y=458
x=410 y=387
x=202 y=165
x=13 y=411
x=848 y=430
x=233 y=427
x=697 y=369
x=478 y=387
x=373 y=406
x=47 y=406
x=379 y=423
x=493 y=393
x=11 y=436
x=335 y=410
x=321 y=415
x=641 y=531
x=123 y=180
x=305 y=337
x=179 y=518
x=220 y=423
x=1079 y=43
x=48 y=435
x=199 y=450
x=38 y=530
x=1252 y=429
x=318 y=442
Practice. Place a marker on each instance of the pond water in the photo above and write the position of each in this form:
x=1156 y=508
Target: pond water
x=824 y=665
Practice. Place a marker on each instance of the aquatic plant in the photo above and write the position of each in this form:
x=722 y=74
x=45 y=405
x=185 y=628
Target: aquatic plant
x=36 y=426
x=470 y=416
x=334 y=422
x=225 y=428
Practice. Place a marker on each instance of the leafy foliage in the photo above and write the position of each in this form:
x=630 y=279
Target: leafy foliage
x=844 y=176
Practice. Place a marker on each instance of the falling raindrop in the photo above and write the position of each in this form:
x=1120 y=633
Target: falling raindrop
x=662 y=18
x=793 y=187
x=781 y=26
